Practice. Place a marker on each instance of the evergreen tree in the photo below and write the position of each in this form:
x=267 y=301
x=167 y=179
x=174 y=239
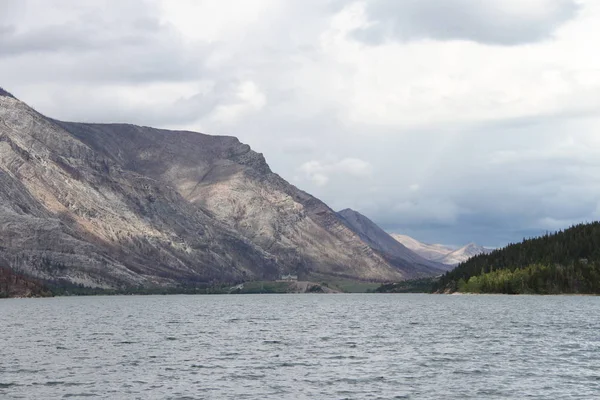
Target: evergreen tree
x=564 y=262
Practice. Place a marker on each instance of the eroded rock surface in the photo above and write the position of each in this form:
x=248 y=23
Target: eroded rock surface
x=112 y=205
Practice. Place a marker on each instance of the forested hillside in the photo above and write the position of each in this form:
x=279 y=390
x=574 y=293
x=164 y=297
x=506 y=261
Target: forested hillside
x=564 y=262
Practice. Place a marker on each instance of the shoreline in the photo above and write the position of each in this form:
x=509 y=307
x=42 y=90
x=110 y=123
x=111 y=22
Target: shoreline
x=296 y=293
x=519 y=294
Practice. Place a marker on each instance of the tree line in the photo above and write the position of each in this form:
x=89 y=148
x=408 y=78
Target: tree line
x=13 y=284
x=567 y=261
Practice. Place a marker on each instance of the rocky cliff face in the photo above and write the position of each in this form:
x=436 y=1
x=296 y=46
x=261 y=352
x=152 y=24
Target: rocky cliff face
x=111 y=205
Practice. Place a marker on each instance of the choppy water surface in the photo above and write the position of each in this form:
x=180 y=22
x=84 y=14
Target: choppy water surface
x=301 y=347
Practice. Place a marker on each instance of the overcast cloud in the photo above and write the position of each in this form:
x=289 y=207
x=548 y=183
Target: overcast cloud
x=452 y=121
x=508 y=22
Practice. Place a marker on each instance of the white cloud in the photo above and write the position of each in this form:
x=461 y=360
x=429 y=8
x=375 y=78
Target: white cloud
x=319 y=179
x=436 y=82
x=353 y=167
x=248 y=98
x=452 y=133
x=215 y=21
x=320 y=172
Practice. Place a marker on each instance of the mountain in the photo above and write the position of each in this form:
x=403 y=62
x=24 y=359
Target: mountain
x=464 y=253
x=440 y=253
x=393 y=251
x=564 y=262
x=119 y=205
x=434 y=252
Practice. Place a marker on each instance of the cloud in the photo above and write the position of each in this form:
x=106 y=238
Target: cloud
x=499 y=22
x=476 y=122
x=352 y=166
x=247 y=98
x=126 y=43
x=319 y=172
x=298 y=145
x=319 y=179
x=428 y=210
x=72 y=28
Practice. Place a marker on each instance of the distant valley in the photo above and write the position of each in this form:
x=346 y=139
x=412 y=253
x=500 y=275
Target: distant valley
x=440 y=253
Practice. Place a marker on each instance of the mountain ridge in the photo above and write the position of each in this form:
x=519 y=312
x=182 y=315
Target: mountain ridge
x=112 y=205
x=5 y=93
x=440 y=253
x=382 y=242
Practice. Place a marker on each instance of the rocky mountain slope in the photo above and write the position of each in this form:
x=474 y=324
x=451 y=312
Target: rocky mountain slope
x=393 y=251
x=440 y=253
x=113 y=205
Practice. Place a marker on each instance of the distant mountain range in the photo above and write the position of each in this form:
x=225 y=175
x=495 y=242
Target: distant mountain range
x=440 y=253
x=119 y=205
x=392 y=250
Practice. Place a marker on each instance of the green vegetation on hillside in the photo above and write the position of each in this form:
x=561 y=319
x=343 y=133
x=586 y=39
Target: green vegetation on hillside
x=412 y=286
x=344 y=285
x=29 y=287
x=13 y=284
x=564 y=262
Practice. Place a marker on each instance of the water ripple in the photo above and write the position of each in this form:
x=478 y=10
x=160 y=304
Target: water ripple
x=301 y=347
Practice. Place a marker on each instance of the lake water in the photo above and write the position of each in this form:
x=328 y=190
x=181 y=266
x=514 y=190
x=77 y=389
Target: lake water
x=357 y=346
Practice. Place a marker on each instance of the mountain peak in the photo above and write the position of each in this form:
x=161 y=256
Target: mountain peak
x=347 y=211
x=6 y=94
x=381 y=242
x=439 y=253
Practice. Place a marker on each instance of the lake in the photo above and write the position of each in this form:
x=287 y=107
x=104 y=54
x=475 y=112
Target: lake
x=355 y=346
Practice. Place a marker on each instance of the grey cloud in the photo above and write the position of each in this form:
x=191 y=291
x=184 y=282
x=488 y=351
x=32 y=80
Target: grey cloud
x=98 y=43
x=6 y=30
x=79 y=28
x=79 y=36
x=124 y=42
x=8 y=9
x=464 y=194
x=107 y=107
x=475 y=20
x=486 y=232
x=298 y=145
x=470 y=197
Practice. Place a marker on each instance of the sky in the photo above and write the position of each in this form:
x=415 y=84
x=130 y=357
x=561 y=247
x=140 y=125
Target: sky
x=451 y=121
